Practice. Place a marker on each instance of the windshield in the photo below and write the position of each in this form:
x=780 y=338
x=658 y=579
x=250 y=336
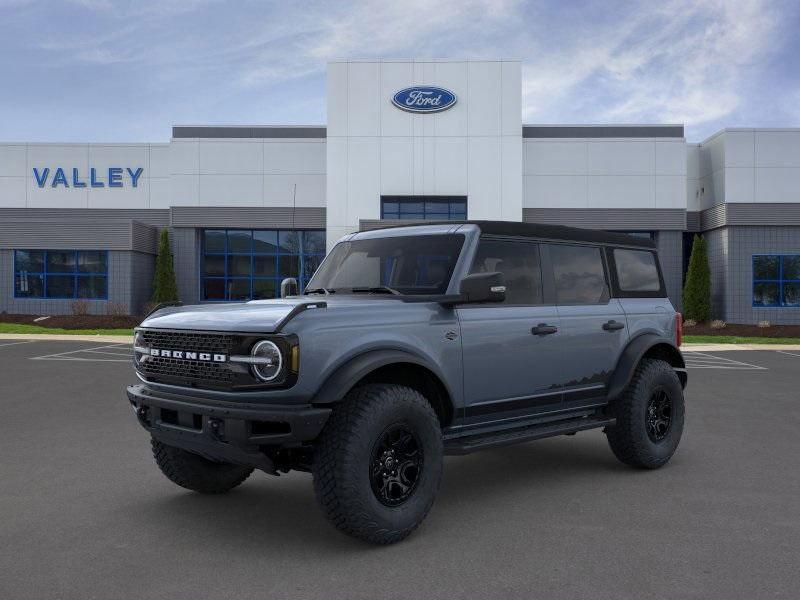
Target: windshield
x=414 y=264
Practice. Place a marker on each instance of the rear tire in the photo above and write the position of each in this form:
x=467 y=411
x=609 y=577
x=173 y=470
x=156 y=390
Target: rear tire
x=378 y=463
x=650 y=415
x=193 y=472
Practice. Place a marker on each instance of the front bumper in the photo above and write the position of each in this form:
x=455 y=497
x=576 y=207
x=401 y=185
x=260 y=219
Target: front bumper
x=226 y=431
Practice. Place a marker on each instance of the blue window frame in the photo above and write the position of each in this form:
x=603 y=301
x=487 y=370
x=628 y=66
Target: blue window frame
x=61 y=274
x=776 y=280
x=249 y=264
x=424 y=208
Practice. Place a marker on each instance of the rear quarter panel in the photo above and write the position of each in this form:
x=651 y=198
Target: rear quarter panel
x=649 y=315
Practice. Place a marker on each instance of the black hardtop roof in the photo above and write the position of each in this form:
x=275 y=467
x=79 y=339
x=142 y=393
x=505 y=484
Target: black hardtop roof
x=547 y=232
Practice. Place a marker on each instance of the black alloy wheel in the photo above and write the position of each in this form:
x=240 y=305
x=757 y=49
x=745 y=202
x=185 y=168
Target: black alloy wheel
x=659 y=415
x=395 y=465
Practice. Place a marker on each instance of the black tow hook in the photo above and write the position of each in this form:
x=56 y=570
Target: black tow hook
x=215 y=427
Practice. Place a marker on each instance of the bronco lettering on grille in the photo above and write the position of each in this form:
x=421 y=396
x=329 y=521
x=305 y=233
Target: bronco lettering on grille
x=185 y=355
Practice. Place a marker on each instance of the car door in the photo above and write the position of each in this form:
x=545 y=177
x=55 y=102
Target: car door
x=594 y=329
x=511 y=352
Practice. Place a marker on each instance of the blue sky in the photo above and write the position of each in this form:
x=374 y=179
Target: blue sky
x=104 y=70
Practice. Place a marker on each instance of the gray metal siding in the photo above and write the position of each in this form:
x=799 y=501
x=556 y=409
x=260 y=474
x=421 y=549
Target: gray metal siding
x=150 y=216
x=186 y=259
x=256 y=217
x=670 y=255
x=602 y=131
x=609 y=218
x=66 y=234
x=144 y=238
x=313 y=132
x=693 y=221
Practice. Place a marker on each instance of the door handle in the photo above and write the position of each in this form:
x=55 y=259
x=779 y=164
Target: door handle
x=613 y=325
x=544 y=329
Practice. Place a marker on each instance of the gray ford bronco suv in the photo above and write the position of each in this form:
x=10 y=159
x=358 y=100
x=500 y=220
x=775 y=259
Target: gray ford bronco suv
x=410 y=343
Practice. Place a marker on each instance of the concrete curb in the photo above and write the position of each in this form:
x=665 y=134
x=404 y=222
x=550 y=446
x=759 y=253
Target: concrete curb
x=47 y=337
x=731 y=347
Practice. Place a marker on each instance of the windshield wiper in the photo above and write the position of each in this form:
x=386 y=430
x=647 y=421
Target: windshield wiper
x=320 y=290
x=379 y=289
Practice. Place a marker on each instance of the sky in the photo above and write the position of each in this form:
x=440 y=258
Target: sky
x=126 y=71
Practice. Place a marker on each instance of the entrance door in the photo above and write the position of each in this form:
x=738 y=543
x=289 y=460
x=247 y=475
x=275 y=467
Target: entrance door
x=511 y=350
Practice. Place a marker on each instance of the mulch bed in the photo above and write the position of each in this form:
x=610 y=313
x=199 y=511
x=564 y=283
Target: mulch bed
x=75 y=321
x=773 y=331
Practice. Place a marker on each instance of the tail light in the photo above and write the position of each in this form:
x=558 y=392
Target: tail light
x=678 y=329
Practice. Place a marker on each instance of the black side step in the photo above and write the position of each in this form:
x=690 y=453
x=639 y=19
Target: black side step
x=473 y=443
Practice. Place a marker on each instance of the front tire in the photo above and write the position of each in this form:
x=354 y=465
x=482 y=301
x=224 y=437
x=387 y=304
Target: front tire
x=650 y=415
x=378 y=463
x=193 y=472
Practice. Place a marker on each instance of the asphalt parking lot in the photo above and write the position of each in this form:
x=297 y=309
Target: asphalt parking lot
x=84 y=512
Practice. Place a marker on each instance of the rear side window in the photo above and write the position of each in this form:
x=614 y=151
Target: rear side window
x=636 y=271
x=579 y=274
x=518 y=262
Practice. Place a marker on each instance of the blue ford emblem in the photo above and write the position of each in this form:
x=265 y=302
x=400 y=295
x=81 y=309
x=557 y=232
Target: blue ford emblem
x=424 y=99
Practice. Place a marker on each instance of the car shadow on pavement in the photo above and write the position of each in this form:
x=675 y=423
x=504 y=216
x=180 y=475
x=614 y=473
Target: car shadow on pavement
x=283 y=514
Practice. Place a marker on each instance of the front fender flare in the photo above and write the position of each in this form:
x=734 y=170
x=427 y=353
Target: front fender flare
x=633 y=353
x=347 y=375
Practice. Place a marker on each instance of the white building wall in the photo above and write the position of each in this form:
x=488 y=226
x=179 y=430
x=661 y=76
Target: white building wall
x=604 y=173
x=375 y=149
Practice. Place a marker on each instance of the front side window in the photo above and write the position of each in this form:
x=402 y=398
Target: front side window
x=776 y=280
x=413 y=265
x=636 y=270
x=67 y=274
x=579 y=274
x=520 y=265
x=245 y=264
x=424 y=208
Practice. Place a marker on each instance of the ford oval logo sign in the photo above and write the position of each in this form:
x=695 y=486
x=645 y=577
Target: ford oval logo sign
x=424 y=99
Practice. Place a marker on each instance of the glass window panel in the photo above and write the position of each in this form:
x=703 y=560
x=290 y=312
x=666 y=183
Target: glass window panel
x=29 y=286
x=60 y=286
x=412 y=216
x=436 y=206
x=519 y=264
x=314 y=242
x=264 y=289
x=391 y=216
x=289 y=242
x=289 y=266
x=265 y=266
x=214 y=289
x=637 y=271
x=791 y=294
x=390 y=207
x=92 y=261
x=310 y=265
x=265 y=242
x=458 y=206
x=239 y=241
x=238 y=289
x=765 y=294
x=579 y=274
x=765 y=267
x=214 y=265
x=437 y=216
x=214 y=240
x=60 y=261
x=30 y=260
x=238 y=266
x=791 y=267
x=91 y=286
x=414 y=207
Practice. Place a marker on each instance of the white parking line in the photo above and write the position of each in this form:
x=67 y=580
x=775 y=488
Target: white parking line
x=787 y=353
x=701 y=360
x=17 y=343
x=102 y=350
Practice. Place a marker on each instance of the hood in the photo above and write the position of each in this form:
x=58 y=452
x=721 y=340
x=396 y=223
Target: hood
x=257 y=316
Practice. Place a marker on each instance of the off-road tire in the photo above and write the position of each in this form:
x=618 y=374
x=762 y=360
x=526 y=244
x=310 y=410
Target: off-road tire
x=629 y=438
x=343 y=458
x=196 y=473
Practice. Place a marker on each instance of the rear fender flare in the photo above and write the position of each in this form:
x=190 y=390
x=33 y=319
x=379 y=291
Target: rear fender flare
x=632 y=355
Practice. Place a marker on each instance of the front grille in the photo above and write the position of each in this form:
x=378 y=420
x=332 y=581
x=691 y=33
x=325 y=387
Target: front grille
x=194 y=372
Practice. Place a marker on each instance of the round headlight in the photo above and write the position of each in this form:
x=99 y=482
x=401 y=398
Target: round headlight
x=268 y=360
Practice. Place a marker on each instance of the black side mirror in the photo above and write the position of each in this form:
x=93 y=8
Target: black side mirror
x=483 y=287
x=289 y=287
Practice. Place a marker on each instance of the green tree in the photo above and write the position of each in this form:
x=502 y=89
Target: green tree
x=697 y=290
x=165 y=288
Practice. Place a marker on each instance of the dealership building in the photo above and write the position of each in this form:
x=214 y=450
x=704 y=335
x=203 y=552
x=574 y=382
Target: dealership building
x=406 y=141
